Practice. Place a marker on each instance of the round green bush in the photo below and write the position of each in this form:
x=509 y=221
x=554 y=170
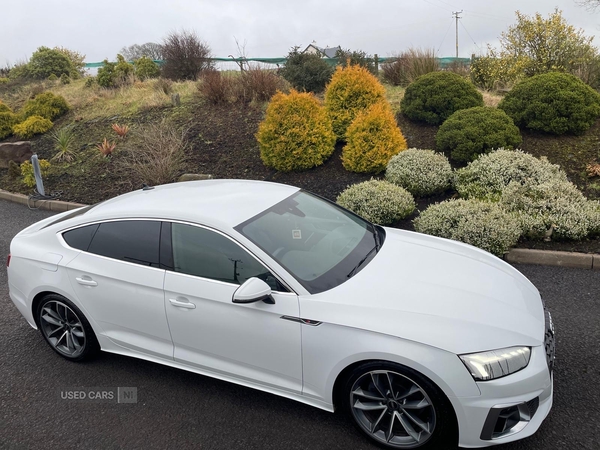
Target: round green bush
x=306 y=71
x=31 y=126
x=47 y=105
x=420 y=172
x=468 y=133
x=378 y=201
x=433 y=97
x=553 y=102
x=482 y=224
x=47 y=61
x=145 y=68
x=488 y=176
x=373 y=138
x=296 y=133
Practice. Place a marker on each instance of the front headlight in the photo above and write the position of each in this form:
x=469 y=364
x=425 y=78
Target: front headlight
x=496 y=363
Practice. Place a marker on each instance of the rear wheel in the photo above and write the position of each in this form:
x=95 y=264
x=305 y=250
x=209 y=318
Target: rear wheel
x=66 y=329
x=398 y=407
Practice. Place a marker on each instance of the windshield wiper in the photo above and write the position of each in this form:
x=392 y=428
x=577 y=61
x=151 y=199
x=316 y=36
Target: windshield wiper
x=376 y=249
x=362 y=261
x=376 y=237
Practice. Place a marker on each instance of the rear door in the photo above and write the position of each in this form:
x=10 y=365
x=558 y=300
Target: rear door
x=118 y=279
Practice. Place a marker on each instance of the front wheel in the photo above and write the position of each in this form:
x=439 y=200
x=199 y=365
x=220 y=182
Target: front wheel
x=398 y=407
x=66 y=329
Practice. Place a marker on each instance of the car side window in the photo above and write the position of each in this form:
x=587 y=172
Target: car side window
x=80 y=238
x=134 y=241
x=207 y=254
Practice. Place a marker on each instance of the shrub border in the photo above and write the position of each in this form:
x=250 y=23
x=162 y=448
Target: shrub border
x=588 y=261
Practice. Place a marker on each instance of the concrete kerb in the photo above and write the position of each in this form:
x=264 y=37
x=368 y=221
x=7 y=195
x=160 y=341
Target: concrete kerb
x=516 y=255
x=553 y=258
x=52 y=205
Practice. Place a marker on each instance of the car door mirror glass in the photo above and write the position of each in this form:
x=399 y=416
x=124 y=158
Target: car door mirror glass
x=253 y=290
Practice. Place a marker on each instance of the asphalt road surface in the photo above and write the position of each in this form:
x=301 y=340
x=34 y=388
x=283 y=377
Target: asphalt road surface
x=177 y=409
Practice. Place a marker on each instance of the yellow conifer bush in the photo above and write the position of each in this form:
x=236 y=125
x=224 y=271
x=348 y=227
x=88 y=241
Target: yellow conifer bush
x=7 y=120
x=31 y=126
x=296 y=133
x=352 y=90
x=373 y=138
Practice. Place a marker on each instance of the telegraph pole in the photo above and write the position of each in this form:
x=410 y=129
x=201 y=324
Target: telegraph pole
x=455 y=14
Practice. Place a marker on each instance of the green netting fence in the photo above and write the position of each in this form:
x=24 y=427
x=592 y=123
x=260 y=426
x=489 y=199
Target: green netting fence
x=444 y=62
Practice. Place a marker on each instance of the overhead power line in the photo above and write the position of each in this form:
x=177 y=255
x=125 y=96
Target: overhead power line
x=445 y=34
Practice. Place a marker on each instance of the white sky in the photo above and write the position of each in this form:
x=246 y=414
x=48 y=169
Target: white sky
x=100 y=28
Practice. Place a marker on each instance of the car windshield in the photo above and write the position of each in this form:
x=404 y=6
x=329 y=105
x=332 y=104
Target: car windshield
x=318 y=242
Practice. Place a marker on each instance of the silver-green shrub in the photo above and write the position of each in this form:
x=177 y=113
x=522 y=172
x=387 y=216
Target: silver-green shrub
x=556 y=209
x=486 y=225
x=487 y=176
x=378 y=201
x=420 y=172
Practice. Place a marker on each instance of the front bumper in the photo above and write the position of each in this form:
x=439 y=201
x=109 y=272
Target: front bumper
x=529 y=390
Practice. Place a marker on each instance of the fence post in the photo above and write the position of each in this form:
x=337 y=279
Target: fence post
x=376 y=64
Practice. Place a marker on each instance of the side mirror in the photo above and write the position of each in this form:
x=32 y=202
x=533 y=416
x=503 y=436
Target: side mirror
x=253 y=290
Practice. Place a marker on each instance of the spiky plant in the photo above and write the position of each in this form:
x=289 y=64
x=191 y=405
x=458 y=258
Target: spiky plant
x=106 y=147
x=121 y=130
x=64 y=140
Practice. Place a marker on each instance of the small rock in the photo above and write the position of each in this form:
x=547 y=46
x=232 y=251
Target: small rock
x=14 y=151
x=194 y=177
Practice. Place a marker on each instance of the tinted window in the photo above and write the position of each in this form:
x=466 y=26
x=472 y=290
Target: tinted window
x=204 y=253
x=80 y=238
x=135 y=241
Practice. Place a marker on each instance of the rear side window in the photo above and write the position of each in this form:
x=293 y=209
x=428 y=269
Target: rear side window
x=134 y=241
x=80 y=238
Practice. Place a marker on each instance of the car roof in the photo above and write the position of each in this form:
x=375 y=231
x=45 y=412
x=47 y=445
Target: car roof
x=218 y=203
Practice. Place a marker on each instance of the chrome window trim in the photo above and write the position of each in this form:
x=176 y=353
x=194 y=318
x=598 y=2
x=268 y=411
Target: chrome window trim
x=183 y=222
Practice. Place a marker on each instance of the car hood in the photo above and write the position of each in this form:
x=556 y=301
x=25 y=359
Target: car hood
x=438 y=292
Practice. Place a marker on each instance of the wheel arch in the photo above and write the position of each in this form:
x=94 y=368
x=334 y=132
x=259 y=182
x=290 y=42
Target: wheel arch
x=37 y=298
x=343 y=375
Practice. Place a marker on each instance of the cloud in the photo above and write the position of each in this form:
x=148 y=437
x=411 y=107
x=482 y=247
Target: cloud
x=269 y=27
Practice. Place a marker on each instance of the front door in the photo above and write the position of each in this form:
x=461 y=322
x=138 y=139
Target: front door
x=246 y=341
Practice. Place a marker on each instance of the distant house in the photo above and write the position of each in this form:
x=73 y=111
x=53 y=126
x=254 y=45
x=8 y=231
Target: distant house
x=327 y=52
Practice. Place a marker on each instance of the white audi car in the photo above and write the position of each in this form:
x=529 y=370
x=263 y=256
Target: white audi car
x=423 y=342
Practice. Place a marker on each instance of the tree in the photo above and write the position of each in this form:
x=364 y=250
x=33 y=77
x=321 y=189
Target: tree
x=306 y=71
x=546 y=45
x=151 y=50
x=589 y=4
x=46 y=61
x=536 y=45
x=76 y=58
x=356 y=58
x=185 y=56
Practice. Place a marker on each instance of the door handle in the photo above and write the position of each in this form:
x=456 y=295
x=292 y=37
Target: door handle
x=181 y=304
x=86 y=281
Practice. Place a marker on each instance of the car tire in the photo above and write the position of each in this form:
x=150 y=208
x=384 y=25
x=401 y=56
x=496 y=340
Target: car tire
x=66 y=329
x=412 y=413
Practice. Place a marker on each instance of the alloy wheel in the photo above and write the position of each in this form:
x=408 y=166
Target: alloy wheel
x=62 y=328
x=393 y=409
